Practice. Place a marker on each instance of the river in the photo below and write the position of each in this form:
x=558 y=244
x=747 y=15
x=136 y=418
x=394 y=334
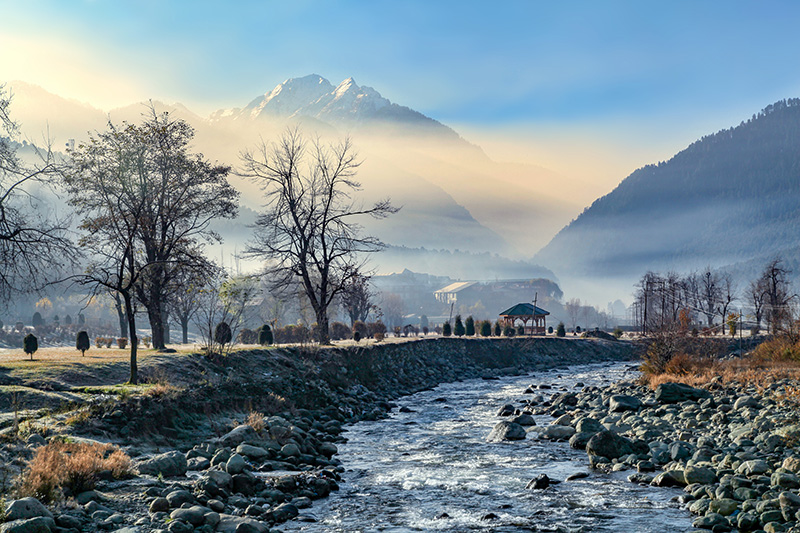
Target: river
x=432 y=470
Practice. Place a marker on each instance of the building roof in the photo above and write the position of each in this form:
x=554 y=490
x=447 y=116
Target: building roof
x=455 y=287
x=524 y=309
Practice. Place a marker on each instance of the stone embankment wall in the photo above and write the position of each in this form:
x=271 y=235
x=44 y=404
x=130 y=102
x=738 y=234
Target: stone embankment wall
x=358 y=379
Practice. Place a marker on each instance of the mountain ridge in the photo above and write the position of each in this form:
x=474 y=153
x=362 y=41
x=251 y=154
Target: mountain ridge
x=727 y=198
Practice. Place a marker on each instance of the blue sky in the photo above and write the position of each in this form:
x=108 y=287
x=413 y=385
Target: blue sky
x=465 y=62
x=645 y=71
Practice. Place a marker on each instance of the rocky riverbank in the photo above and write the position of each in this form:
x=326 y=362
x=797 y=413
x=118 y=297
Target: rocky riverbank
x=733 y=448
x=200 y=470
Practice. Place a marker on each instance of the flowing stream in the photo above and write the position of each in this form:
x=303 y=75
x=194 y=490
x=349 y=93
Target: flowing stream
x=432 y=470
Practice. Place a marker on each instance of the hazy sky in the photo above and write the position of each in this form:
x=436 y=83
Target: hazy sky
x=653 y=76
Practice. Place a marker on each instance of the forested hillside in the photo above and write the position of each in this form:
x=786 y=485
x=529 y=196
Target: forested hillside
x=731 y=197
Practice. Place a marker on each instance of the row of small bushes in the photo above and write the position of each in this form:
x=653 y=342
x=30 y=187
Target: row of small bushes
x=298 y=333
x=485 y=328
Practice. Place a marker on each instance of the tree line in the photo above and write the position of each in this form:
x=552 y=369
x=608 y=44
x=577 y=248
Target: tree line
x=145 y=201
x=673 y=301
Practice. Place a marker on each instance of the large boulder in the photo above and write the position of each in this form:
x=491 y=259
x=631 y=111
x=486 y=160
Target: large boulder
x=238 y=435
x=506 y=431
x=556 y=432
x=235 y=464
x=588 y=425
x=679 y=392
x=753 y=467
x=170 y=464
x=39 y=524
x=26 y=508
x=620 y=403
x=231 y=524
x=256 y=453
x=699 y=474
x=613 y=446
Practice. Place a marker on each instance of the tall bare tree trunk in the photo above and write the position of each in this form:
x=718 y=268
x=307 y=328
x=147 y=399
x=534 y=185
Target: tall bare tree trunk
x=134 y=378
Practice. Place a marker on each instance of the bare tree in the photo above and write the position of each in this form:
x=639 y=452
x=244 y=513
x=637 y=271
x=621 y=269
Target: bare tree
x=110 y=224
x=223 y=300
x=177 y=192
x=34 y=248
x=756 y=294
x=309 y=231
x=707 y=297
x=357 y=298
x=393 y=308
x=185 y=298
x=573 y=308
x=775 y=284
x=727 y=295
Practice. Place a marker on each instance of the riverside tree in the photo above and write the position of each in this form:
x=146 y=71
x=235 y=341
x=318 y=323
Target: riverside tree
x=774 y=283
x=309 y=233
x=34 y=248
x=357 y=298
x=172 y=193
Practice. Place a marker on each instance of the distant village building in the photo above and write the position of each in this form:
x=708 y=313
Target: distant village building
x=526 y=312
x=450 y=294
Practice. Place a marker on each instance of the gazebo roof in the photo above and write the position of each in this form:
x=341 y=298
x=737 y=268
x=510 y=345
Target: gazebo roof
x=524 y=309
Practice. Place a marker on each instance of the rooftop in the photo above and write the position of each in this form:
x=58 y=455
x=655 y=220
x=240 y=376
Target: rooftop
x=524 y=309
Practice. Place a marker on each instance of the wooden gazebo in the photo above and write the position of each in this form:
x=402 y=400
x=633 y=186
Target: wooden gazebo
x=526 y=312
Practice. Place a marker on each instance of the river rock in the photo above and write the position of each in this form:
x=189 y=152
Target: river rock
x=290 y=450
x=506 y=410
x=284 y=512
x=26 y=508
x=328 y=449
x=784 y=480
x=613 y=446
x=588 y=425
x=524 y=420
x=669 y=478
x=679 y=392
x=170 y=464
x=710 y=520
x=753 y=467
x=745 y=401
x=238 y=435
x=253 y=452
x=220 y=478
x=159 y=505
x=231 y=524
x=194 y=515
x=235 y=464
x=539 y=482
x=556 y=432
x=39 y=524
x=506 y=430
x=792 y=463
x=176 y=498
x=620 y=403
x=579 y=440
x=723 y=506
x=698 y=474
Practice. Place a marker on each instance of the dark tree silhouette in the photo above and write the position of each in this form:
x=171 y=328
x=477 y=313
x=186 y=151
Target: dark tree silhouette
x=172 y=193
x=309 y=232
x=34 y=248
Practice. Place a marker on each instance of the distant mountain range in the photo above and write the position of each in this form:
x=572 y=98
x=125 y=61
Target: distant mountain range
x=730 y=200
x=453 y=197
x=348 y=104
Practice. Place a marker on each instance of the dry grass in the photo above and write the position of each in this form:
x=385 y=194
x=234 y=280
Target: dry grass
x=70 y=465
x=256 y=421
x=703 y=371
x=69 y=355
